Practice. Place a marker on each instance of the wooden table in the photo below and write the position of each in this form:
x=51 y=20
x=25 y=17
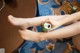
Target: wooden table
x=10 y=39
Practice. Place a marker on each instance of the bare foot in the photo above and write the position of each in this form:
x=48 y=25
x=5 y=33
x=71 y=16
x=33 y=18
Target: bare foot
x=31 y=35
x=16 y=21
x=21 y=22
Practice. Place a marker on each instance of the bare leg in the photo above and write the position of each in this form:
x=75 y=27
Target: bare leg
x=65 y=32
x=71 y=18
x=67 y=19
x=25 y=22
x=28 y=22
x=56 y=21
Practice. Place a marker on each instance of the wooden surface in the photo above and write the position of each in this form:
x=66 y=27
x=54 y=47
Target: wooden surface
x=76 y=41
x=10 y=39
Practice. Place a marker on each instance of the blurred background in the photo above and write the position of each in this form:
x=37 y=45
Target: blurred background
x=10 y=39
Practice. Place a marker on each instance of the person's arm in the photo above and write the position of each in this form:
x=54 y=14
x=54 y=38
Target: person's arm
x=64 y=32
